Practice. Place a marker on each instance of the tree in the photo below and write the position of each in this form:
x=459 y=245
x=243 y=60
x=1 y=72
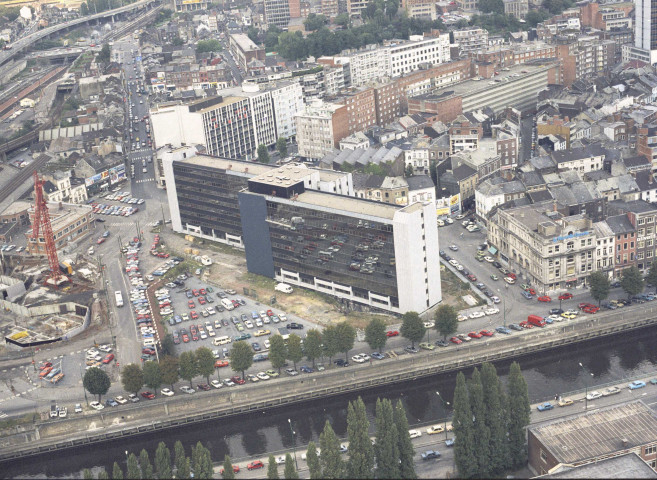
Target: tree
x=272 y=468
x=187 y=366
x=330 y=341
x=168 y=347
x=387 y=452
x=345 y=336
x=241 y=357
x=495 y=418
x=132 y=378
x=169 y=370
x=330 y=461
x=408 y=171
x=205 y=362
x=312 y=460
x=163 y=461
x=103 y=475
x=314 y=22
x=145 y=464
x=228 y=468
x=491 y=6
x=412 y=327
x=342 y=20
x=404 y=444
x=211 y=45
x=294 y=349
x=201 y=461
x=463 y=430
x=312 y=345
x=651 y=278
x=290 y=472
x=481 y=431
x=185 y=469
x=133 y=472
x=104 y=54
x=277 y=352
x=152 y=375
x=446 y=320
x=179 y=453
x=263 y=153
x=117 y=473
x=375 y=334
x=87 y=475
x=361 y=453
x=252 y=33
x=281 y=146
x=600 y=286
x=632 y=281
x=292 y=45
x=96 y=382
x=518 y=416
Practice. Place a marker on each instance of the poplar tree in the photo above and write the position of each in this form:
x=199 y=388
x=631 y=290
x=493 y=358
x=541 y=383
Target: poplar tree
x=228 y=468
x=463 y=430
x=518 y=416
x=117 y=473
x=290 y=473
x=185 y=470
x=87 y=475
x=332 y=465
x=387 y=453
x=404 y=443
x=495 y=418
x=312 y=460
x=179 y=453
x=481 y=432
x=272 y=468
x=163 y=461
x=361 y=453
x=145 y=464
x=133 y=472
x=103 y=475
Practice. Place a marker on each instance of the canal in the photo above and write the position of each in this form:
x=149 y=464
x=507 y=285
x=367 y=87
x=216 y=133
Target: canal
x=558 y=371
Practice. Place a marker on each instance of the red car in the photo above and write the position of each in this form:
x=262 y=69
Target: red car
x=544 y=298
x=526 y=324
x=202 y=291
x=392 y=333
x=45 y=365
x=148 y=351
x=191 y=304
x=255 y=465
x=486 y=333
x=185 y=338
x=195 y=293
x=236 y=469
x=512 y=275
x=193 y=314
x=565 y=296
x=586 y=305
x=221 y=363
x=108 y=358
x=472 y=278
x=148 y=395
x=474 y=335
x=237 y=380
x=202 y=301
x=100 y=240
x=590 y=309
x=531 y=291
x=235 y=303
x=456 y=340
x=270 y=313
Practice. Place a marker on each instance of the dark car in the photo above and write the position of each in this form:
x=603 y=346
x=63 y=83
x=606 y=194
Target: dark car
x=497 y=264
x=203 y=386
x=340 y=362
x=430 y=455
x=515 y=326
x=305 y=369
x=556 y=311
x=295 y=326
x=441 y=343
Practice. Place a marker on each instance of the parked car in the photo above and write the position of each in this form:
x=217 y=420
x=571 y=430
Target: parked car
x=636 y=384
x=545 y=406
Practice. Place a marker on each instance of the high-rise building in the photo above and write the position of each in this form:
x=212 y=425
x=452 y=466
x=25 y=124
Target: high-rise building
x=645 y=33
x=320 y=126
x=279 y=12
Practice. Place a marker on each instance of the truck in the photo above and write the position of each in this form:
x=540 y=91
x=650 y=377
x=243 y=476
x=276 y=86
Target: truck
x=118 y=297
x=283 y=287
x=536 y=320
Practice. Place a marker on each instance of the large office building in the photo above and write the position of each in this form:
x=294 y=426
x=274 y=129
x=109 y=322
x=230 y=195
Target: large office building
x=645 y=33
x=320 y=127
x=234 y=124
x=305 y=227
x=279 y=12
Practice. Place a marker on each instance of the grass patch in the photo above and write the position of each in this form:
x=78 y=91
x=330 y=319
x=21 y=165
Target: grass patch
x=454 y=289
x=26 y=419
x=184 y=266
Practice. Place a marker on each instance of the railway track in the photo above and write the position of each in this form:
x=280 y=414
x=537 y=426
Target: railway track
x=21 y=177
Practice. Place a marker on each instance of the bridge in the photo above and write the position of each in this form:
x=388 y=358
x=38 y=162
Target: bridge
x=26 y=42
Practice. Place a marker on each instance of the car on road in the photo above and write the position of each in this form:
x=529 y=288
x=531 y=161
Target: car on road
x=568 y=316
x=509 y=280
x=216 y=384
x=565 y=296
x=515 y=326
x=341 y=362
x=236 y=469
x=358 y=358
x=255 y=465
x=492 y=311
x=636 y=384
x=454 y=248
x=392 y=333
x=456 y=340
x=486 y=333
x=430 y=455
x=441 y=343
x=411 y=349
x=291 y=371
x=610 y=391
x=306 y=369
x=434 y=429
x=474 y=335
x=378 y=356
x=110 y=402
x=188 y=390
x=167 y=392
x=565 y=402
x=120 y=400
x=96 y=405
x=543 y=407
x=414 y=433
x=148 y=395
x=503 y=329
x=477 y=314
x=593 y=395
x=544 y=298
x=426 y=346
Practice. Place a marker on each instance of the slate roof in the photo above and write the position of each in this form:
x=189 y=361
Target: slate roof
x=620 y=224
x=645 y=181
x=463 y=171
x=419 y=182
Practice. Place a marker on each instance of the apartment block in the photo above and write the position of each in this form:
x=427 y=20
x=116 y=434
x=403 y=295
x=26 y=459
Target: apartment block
x=586 y=58
x=471 y=40
x=244 y=50
x=361 y=108
x=69 y=222
x=320 y=127
x=517 y=8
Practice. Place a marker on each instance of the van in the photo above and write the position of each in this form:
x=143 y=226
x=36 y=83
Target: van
x=227 y=304
x=325 y=254
x=536 y=320
x=221 y=340
x=283 y=287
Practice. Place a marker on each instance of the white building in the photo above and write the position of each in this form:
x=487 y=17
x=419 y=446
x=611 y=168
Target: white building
x=645 y=34
x=288 y=101
x=320 y=127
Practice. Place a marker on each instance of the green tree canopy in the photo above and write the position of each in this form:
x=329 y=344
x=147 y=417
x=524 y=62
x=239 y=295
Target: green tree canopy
x=133 y=472
x=375 y=334
x=205 y=361
x=104 y=54
x=187 y=366
x=96 y=382
x=495 y=419
x=412 y=327
x=651 y=278
x=281 y=146
x=345 y=336
x=211 y=45
x=294 y=349
x=179 y=452
x=152 y=375
x=343 y=20
x=600 y=286
x=103 y=475
x=446 y=320
x=312 y=345
x=330 y=460
x=290 y=473
x=518 y=415
x=312 y=460
x=277 y=352
x=272 y=468
x=491 y=6
x=481 y=430
x=263 y=154
x=241 y=357
x=132 y=378
x=168 y=347
x=169 y=370
x=404 y=443
x=145 y=464
x=464 y=447
x=632 y=281
x=117 y=473
x=228 y=468
x=331 y=345
x=361 y=452
x=387 y=441
x=162 y=461
x=315 y=22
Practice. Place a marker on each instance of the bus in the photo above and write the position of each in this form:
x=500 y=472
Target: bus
x=119 y=298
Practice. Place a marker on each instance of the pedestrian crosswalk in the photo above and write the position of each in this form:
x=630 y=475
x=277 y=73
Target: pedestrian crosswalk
x=143 y=180
x=120 y=224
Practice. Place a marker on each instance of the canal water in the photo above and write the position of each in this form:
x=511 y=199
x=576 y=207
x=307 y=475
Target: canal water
x=608 y=360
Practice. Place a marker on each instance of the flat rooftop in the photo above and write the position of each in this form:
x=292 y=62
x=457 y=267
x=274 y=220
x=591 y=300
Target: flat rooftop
x=594 y=434
x=244 y=42
x=629 y=465
x=241 y=166
x=350 y=205
x=286 y=175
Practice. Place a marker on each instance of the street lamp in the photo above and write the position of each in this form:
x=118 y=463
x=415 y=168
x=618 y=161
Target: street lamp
x=586 y=385
x=83 y=389
x=445 y=405
x=294 y=444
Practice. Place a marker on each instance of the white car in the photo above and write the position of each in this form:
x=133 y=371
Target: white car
x=262 y=376
x=414 y=433
x=556 y=318
x=216 y=384
x=358 y=358
x=78 y=408
x=489 y=259
x=429 y=324
x=280 y=460
x=96 y=405
x=187 y=389
x=453 y=262
x=282 y=317
x=167 y=392
x=248 y=324
x=593 y=395
x=491 y=311
x=120 y=400
x=477 y=315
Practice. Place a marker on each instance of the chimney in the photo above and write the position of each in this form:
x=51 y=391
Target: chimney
x=625 y=442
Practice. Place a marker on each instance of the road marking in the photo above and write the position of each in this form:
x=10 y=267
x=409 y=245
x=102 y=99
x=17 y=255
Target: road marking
x=145 y=180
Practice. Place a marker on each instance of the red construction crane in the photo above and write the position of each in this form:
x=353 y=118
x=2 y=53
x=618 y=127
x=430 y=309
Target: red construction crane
x=42 y=225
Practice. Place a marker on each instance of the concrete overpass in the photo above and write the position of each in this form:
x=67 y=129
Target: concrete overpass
x=26 y=42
